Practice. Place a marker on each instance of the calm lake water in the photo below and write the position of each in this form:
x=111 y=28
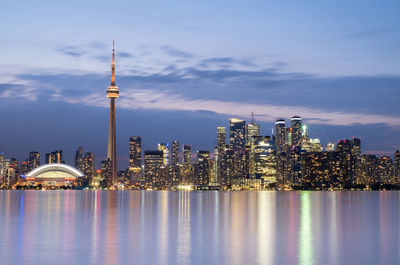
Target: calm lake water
x=165 y=227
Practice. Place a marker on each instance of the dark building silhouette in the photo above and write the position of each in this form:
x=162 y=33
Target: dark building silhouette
x=153 y=162
x=202 y=168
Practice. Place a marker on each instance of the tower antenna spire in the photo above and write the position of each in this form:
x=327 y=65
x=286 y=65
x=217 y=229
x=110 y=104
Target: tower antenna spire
x=113 y=66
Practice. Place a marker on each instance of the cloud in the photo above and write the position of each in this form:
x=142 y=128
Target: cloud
x=164 y=101
x=72 y=51
x=232 y=92
x=226 y=62
x=125 y=54
x=175 y=52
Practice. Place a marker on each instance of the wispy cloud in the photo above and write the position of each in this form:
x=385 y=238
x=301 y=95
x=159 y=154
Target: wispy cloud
x=164 y=101
x=175 y=52
x=74 y=51
x=232 y=92
x=125 y=54
x=225 y=62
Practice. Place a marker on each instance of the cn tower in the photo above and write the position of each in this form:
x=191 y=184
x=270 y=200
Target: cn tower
x=112 y=93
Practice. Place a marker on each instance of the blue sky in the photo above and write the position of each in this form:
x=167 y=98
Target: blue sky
x=185 y=67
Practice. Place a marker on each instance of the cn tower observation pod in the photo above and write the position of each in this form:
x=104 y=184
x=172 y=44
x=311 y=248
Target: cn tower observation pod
x=54 y=175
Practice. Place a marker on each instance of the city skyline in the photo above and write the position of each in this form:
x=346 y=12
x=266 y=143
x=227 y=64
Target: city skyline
x=200 y=132
x=243 y=159
x=125 y=159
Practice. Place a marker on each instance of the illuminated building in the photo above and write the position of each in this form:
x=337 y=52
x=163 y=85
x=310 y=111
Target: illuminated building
x=55 y=157
x=79 y=158
x=344 y=149
x=34 y=160
x=2 y=167
x=280 y=135
x=112 y=94
x=220 y=161
x=237 y=142
x=294 y=165
x=135 y=159
x=11 y=174
x=247 y=161
x=175 y=153
x=214 y=169
x=330 y=147
x=265 y=161
x=164 y=147
x=54 y=174
x=252 y=134
x=186 y=163
x=397 y=166
x=355 y=159
x=24 y=168
x=88 y=166
x=123 y=178
x=281 y=159
x=368 y=170
x=296 y=132
x=6 y=164
x=226 y=180
x=385 y=170
x=311 y=145
x=202 y=168
x=153 y=162
x=175 y=167
x=350 y=159
x=106 y=172
x=315 y=145
x=97 y=180
x=289 y=136
x=320 y=170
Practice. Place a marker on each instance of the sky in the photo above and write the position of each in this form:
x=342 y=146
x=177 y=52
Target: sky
x=186 y=67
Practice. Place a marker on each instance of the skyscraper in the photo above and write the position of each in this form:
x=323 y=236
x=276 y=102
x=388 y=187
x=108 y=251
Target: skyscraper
x=280 y=145
x=34 y=160
x=112 y=94
x=296 y=130
x=220 y=162
x=175 y=167
x=397 y=166
x=79 y=158
x=369 y=170
x=320 y=170
x=265 y=160
x=135 y=158
x=202 y=168
x=88 y=165
x=175 y=153
x=344 y=149
x=12 y=172
x=280 y=135
x=385 y=170
x=106 y=173
x=2 y=167
x=55 y=157
x=252 y=134
x=164 y=147
x=237 y=142
x=153 y=161
x=186 y=163
x=356 y=159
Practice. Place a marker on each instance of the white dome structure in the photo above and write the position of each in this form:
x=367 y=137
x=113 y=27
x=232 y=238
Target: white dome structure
x=54 y=175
